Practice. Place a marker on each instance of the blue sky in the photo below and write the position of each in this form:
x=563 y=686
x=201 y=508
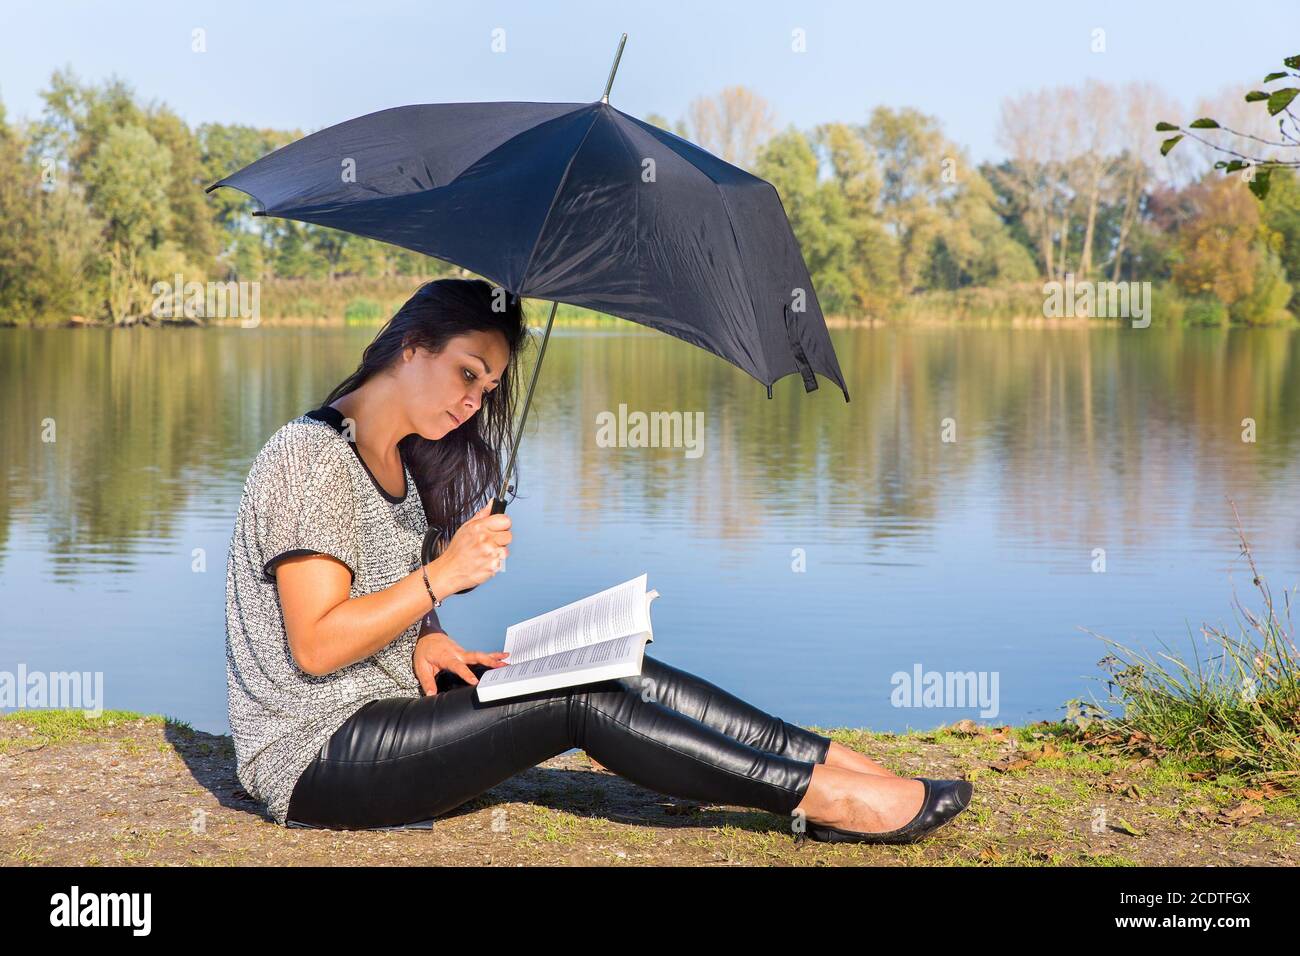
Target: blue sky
x=304 y=66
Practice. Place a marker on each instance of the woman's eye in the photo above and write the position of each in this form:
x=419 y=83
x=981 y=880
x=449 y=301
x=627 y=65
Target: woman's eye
x=471 y=377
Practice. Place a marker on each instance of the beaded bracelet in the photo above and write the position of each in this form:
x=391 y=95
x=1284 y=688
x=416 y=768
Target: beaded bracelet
x=424 y=570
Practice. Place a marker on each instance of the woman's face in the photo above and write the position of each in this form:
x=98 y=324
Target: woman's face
x=453 y=382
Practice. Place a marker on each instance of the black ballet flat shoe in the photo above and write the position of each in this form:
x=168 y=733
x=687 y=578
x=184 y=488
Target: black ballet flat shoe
x=943 y=800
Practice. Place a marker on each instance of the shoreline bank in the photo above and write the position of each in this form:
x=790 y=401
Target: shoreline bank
x=135 y=789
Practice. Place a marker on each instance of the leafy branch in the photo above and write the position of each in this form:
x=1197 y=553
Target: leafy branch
x=1257 y=168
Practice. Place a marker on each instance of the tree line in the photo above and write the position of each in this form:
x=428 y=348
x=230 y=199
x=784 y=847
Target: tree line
x=103 y=196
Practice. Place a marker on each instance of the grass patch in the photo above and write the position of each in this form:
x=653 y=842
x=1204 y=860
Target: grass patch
x=51 y=727
x=1234 y=713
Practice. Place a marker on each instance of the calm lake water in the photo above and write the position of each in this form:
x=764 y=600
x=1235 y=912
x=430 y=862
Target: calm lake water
x=806 y=553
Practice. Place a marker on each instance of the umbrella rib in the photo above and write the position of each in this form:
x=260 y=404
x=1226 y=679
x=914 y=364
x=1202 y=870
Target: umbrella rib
x=740 y=257
x=523 y=279
x=653 y=131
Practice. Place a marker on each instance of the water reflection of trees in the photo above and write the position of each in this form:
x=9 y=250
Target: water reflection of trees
x=1081 y=435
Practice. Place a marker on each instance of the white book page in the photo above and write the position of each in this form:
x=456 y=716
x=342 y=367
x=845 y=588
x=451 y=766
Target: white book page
x=612 y=613
x=573 y=661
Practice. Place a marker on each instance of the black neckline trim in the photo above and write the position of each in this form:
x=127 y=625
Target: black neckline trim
x=334 y=418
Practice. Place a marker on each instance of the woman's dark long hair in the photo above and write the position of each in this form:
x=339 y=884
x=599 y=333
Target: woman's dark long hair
x=459 y=472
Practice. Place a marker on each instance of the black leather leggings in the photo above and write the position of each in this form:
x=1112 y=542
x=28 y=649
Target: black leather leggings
x=401 y=761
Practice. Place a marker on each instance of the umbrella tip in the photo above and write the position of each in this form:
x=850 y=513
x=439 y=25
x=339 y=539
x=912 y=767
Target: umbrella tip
x=614 y=69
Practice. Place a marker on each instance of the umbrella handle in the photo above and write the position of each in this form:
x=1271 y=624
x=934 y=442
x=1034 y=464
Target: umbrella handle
x=431 y=540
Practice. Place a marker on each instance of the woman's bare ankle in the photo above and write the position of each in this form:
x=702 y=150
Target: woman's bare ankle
x=850 y=800
x=847 y=758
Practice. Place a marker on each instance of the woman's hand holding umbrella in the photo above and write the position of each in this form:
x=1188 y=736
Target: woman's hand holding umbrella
x=476 y=551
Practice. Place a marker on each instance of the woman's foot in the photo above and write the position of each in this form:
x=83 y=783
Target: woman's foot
x=867 y=803
x=944 y=799
x=847 y=758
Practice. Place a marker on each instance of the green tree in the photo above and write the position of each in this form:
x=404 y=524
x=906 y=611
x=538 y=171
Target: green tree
x=913 y=158
x=191 y=226
x=872 y=269
x=1282 y=215
x=1266 y=302
x=49 y=243
x=818 y=215
x=973 y=246
x=127 y=182
x=126 y=178
x=939 y=208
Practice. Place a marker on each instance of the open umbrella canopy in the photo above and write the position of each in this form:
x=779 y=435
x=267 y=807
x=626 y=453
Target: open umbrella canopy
x=569 y=202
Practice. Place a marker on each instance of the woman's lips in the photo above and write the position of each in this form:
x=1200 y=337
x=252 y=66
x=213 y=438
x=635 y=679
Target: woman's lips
x=454 y=418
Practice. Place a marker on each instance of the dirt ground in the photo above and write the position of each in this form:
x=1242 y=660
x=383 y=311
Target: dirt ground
x=127 y=789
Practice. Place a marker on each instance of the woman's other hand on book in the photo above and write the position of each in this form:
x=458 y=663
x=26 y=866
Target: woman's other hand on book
x=477 y=550
x=437 y=652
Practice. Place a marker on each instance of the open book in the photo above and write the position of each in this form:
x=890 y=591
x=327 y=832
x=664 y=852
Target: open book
x=600 y=637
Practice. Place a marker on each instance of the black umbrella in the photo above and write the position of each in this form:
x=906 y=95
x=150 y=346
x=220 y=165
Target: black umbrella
x=571 y=202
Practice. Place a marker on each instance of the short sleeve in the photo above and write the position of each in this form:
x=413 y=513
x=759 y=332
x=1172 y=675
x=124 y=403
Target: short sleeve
x=306 y=504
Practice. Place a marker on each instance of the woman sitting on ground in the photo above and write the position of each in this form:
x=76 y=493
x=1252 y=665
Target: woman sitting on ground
x=350 y=706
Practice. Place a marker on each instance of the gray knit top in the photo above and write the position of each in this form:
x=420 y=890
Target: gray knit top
x=309 y=492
